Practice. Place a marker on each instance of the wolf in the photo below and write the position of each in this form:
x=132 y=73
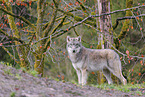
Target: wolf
x=86 y=60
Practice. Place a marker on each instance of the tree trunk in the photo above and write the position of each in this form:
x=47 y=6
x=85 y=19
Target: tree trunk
x=105 y=25
x=100 y=41
x=39 y=63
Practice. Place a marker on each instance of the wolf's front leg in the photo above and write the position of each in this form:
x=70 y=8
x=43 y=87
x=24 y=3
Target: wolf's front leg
x=79 y=76
x=84 y=76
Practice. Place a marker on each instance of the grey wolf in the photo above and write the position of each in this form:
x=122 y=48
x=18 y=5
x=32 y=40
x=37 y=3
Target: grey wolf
x=86 y=60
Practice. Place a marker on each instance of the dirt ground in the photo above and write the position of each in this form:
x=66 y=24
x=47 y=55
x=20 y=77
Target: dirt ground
x=16 y=83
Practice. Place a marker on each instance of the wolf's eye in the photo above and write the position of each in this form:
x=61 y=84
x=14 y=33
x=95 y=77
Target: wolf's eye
x=70 y=45
x=77 y=45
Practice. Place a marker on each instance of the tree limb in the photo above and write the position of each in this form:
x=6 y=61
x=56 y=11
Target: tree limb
x=76 y=18
x=123 y=18
x=82 y=7
x=118 y=11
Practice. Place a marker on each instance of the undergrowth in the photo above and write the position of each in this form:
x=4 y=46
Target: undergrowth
x=8 y=70
x=139 y=89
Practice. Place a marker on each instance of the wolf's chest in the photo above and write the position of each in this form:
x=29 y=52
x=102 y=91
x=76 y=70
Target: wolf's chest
x=79 y=65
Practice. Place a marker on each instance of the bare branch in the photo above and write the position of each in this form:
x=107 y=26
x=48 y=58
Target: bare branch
x=123 y=18
x=116 y=11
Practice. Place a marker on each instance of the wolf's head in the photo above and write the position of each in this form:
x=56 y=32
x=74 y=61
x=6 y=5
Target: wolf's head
x=74 y=44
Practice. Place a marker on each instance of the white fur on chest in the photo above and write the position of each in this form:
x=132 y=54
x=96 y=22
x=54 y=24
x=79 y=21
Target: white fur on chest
x=78 y=65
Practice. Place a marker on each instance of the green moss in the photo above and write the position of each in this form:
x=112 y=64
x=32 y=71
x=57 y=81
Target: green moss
x=13 y=94
x=99 y=46
x=129 y=3
x=116 y=42
x=93 y=13
x=33 y=73
x=39 y=64
x=133 y=89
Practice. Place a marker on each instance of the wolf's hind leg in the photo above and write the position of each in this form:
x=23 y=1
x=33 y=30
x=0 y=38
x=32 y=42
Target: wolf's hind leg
x=107 y=74
x=118 y=73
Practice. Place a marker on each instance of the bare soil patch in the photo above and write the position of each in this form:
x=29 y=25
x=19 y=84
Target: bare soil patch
x=16 y=83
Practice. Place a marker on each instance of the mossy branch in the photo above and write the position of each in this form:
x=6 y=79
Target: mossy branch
x=58 y=26
x=76 y=18
x=45 y=25
x=11 y=55
x=18 y=17
x=56 y=3
x=50 y=25
x=53 y=18
x=82 y=7
x=61 y=32
x=11 y=37
x=40 y=11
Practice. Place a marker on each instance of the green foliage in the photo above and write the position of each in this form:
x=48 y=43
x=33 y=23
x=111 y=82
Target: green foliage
x=4 y=56
x=8 y=71
x=139 y=93
x=18 y=76
x=13 y=94
x=92 y=78
x=33 y=72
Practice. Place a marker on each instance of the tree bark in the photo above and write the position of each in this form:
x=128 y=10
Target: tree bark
x=104 y=25
x=39 y=63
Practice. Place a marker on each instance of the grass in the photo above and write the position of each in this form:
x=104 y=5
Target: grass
x=74 y=93
x=135 y=88
x=18 y=76
x=9 y=72
x=13 y=94
x=33 y=73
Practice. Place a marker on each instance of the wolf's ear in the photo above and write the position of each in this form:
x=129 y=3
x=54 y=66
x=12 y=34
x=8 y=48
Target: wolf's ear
x=68 y=39
x=79 y=38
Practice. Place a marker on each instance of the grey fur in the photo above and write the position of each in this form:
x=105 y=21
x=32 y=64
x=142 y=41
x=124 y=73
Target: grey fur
x=85 y=60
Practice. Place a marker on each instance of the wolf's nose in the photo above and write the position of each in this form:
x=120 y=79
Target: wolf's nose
x=74 y=51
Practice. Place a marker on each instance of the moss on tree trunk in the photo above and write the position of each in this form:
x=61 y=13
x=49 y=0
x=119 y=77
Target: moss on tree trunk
x=39 y=64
